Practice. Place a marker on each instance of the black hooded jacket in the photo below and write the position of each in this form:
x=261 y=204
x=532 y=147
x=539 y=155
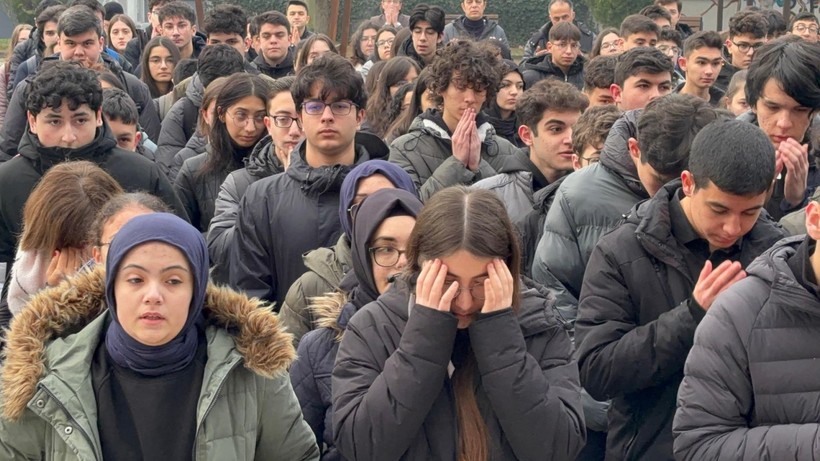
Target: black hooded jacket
x=283 y=69
x=540 y=38
x=540 y=67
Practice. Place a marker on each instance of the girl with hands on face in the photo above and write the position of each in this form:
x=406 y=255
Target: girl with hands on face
x=458 y=360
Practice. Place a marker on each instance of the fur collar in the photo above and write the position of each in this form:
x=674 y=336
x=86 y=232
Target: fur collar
x=265 y=345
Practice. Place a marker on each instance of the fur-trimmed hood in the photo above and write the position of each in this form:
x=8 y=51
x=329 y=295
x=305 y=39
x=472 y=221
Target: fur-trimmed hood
x=68 y=308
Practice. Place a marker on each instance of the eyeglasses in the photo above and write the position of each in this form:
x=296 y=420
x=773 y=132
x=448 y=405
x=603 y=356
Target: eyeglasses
x=385 y=42
x=594 y=157
x=285 y=121
x=476 y=290
x=386 y=256
x=564 y=45
x=368 y=39
x=668 y=50
x=744 y=47
x=317 y=107
x=800 y=28
x=242 y=118
x=610 y=45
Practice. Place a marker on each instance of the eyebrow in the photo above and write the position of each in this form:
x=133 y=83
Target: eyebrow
x=165 y=269
x=385 y=238
x=724 y=207
x=485 y=274
x=555 y=122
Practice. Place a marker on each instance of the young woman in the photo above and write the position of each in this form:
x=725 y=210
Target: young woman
x=157 y=65
x=381 y=230
x=363 y=43
x=501 y=109
x=143 y=359
x=56 y=220
x=383 y=50
x=421 y=102
x=456 y=360
x=20 y=34
x=238 y=124
x=314 y=46
x=396 y=72
x=607 y=43
x=735 y=98
x=121 y=30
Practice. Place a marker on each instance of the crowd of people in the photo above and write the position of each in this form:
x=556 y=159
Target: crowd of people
x=225 y=240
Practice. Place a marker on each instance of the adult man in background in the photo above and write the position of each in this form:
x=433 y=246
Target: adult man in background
x=559 y=11
x=391 y=15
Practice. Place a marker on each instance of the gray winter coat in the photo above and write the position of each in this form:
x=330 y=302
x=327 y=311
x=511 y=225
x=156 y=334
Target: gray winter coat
x=426 y=154
x=514 y=184
x=491 y=31
x=195 y=146
x=179 y=125
x=393 y=398
x=751 y=379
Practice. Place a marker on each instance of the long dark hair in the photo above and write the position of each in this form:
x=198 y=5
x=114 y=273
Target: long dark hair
x=358 y=58
x=145 y=76
x=239 y=86
x=303 y=49
x=386 y=28
x=402 y=124
x=378 y=104
x=459 y=218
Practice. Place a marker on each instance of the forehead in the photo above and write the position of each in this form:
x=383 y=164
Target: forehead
x=224 y=35
x=805 y=22
x=64 y=111
x=642 y=35
x=423 y=25
x=81 y=37
x=568 y=117
x=160 y=51
x=706 y=52
x=747 y=38
x=145 y=254
x=174 y=19
x=282 y=101
x=773 y=92
x=652 y=78
x=513 y=76
x=560 y=8
x=296 y=9
x=319 y=45
x=120 y=128
x=272 y=28
x=716 y=196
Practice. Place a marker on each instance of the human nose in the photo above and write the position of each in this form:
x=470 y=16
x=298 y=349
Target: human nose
x=732 y=226
x=463 y=300
x=469 y=95
x=402 y=262
x=294 y=131
x=153 y=294
x=783 y=120
x=69 y=134
x=327 y=114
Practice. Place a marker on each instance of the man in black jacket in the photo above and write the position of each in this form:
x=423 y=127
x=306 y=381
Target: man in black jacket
x=285 y=215
x=559 y=11
x=427 y=32
x=65 y=119
x=564 y=60
x=650 y=282
x=178 y=22
x=28 y=48
x=42 y=40
x=675 y=8
x=275 y=58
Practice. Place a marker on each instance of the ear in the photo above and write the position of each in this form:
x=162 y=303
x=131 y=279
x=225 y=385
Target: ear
x=268 y=123
x=728 y=43
x=32 y=122
x=549 y=47
x=688 y=181
x=360 y=114
x=137 y=138
x=634 y=150
x=576 y=162
x=615 y=91
x=526 y=135
x=99 y=117
x=813 y=219
x=440 y=38
x=102 y=42
x=682 y=63
x=193 y=28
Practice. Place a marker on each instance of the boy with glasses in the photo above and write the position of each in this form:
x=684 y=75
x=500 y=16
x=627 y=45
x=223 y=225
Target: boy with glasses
x=805 y=26
x=283 y=216
x=563 y=61
x=747 y=33
x=671 y=44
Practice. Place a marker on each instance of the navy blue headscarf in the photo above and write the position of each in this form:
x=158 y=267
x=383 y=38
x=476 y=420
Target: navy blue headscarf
x=180 y=351
x=392 y=172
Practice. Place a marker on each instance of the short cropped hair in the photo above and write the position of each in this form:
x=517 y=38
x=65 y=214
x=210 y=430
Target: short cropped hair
x=219 y=60
x=95 y=6
x=64 y=80
x=297 y=3
x=337 y=77
x=270 y=17
x=78 y=20
x=157 y=3
x=565 y=31
x=735 y=156
x=476 y=66
x=177 y=9
x=599 y=72
x=184 y=69
x=226 y=19
x=654 y=12
x=666 y=129
x=702 y=39
x=748 y=22
x=593 y=126
x=641 y=60
x=671 y=35
x=432 y=14
x=793 y=63
x=638 y=24
x=549 y=94
x=118 y=106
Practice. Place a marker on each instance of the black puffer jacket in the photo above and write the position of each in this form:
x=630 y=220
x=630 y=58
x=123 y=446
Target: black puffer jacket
x=283 y=69
x=531 y=225
x=195 y=146
x=179 y=125
x=284 y=216
x=539 y=68
x=34 y=46
x=540 y=38
x=393 y=399
x=751 y=379
x=636 y=322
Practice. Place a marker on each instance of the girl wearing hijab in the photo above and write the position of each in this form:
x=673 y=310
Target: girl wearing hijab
x=172 y=369
x=381 y=229
x=458 y=360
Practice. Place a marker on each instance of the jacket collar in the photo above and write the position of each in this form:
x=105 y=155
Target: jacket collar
x=774 y=268
x=54 y=313
x=44 y=158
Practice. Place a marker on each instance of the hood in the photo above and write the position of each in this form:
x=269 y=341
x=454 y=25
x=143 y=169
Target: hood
x=326 y=262
x=266 y=68
x=263 y=162
x=43 y=158
x=772 y=266
x=544 y=64
x=195 y=91
x=265 y=345
x=615 y=154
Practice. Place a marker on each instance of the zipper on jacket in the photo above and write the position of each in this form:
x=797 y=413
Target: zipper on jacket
x=210 y=407
x=75 y=423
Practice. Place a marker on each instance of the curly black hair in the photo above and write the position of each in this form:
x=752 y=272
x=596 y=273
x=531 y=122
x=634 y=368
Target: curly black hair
x=64 y=81
x=466 y=65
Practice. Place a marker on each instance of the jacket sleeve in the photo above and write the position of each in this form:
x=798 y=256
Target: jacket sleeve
x=450 y=173
x=253 y=269
x=16 y=123
x=221 y=230
x=164 y=190
x=716 y=397
x=24 y=439
x=4 y=100
x=295 y=314
x=303 y=380
x=149 y=118
x=133 y=51
x=379 y=408
x=184 y=188
x=283 y=434
x=171 y=137
x=537 y=399
x=616 y=356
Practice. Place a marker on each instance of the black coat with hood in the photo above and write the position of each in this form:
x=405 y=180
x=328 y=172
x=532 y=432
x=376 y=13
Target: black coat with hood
x=407 y=49
x=540 y=38
x=637 y=319
x=179 y=125
x=283 y=69
x=16 y=122
x=286 y=215
x=541 y=67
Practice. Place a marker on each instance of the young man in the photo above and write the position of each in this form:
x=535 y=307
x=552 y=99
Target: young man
x=747 y=33
x=547 y=111
x=558 y=11
x=180 y=123
x=641 y=75
x=391 y=15
x=638 y=30
x=702 y=60
x=134 y=48
x=805 y=26
x=427 y=31
x=227 y=24
x=275 y=57
x=120 y=113
x=63 y=113
x=782 y=89
x=27 y=48
x=81 y=40
x=675 y=8
x=659 y=15
x=599 y=76
x=178 y=23
x=297 y=13
x=650 y=282
x=47 y=27
x=454 y=144
x=474 y=25
x=564 y=60
x=670 y=44
x=330 y=96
